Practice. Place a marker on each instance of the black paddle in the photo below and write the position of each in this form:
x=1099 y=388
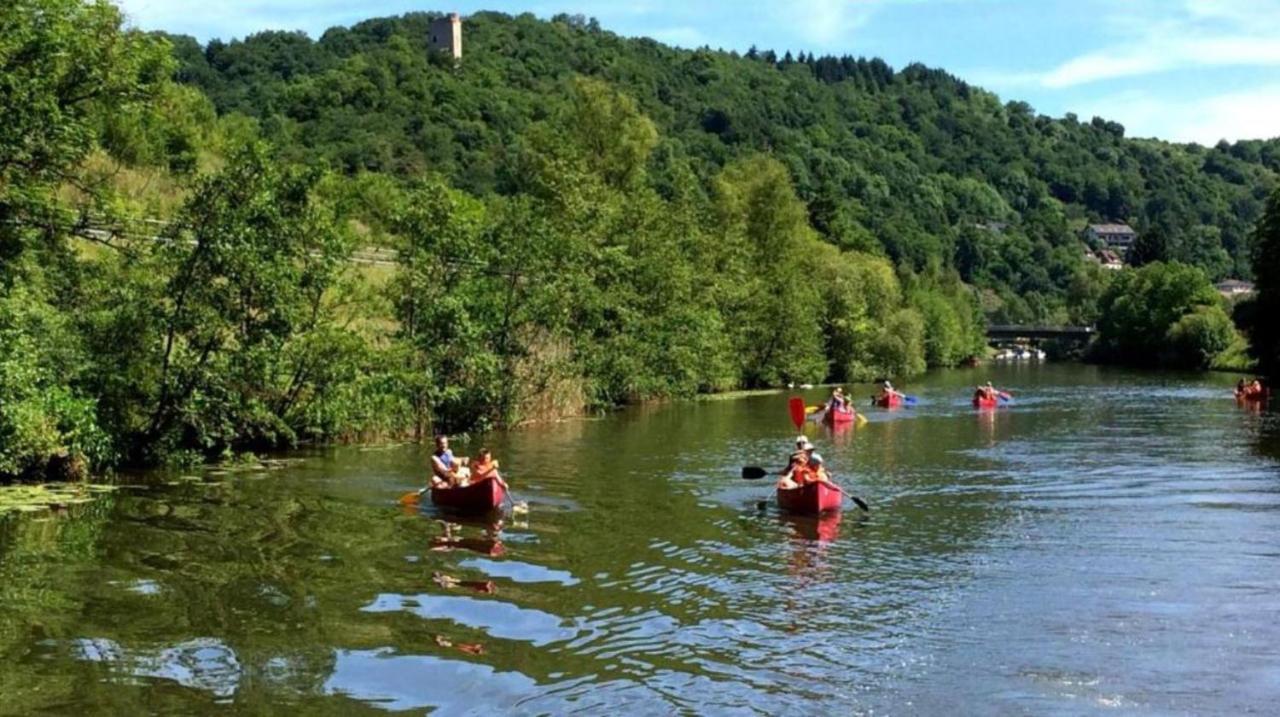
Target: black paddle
x=756 y=473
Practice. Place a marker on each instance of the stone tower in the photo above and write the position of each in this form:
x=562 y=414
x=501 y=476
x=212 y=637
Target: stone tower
x=446 y=35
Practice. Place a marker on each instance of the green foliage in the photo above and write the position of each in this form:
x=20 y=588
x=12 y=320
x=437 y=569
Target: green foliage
x=1198 y=338
x=243 y=335
x=776 y=302
x=64 y=64
x=913 y=164
x=41 y=415
x=1264 y=330
x=1150 y=246
x=578 y=220
x=1163 y=313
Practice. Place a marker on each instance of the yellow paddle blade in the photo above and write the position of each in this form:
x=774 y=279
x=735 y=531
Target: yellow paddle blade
x=862 y=420
x=411 y=498
x=812 y=409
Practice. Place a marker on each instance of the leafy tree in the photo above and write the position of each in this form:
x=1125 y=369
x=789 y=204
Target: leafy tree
x=1264 y=331
x=65 y=65
x=1197 y=338
x=248 y=266
x=1150 y=246
x=1166 y=313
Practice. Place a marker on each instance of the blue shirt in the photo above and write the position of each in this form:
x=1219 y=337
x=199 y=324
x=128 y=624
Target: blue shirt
x=446 y=458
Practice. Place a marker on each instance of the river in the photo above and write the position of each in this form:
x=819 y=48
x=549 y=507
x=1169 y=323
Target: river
x=1110 y=543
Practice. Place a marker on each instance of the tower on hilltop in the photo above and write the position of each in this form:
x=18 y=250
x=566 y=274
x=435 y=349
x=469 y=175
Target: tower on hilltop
x=446 y=35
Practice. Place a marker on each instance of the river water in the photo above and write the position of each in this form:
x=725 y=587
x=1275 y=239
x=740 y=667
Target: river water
x=1110 y=543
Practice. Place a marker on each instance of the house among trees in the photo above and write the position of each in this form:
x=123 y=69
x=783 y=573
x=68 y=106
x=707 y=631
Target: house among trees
x=1234 y=288
x=446 y=35
x=1114 y=236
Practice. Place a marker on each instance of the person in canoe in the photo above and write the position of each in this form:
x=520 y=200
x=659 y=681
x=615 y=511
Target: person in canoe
x=447 y=470
x=985 y=392
x=1253 y=390
x=838 y=402
x=887 y=392
x=804 y=467
x=485 y=466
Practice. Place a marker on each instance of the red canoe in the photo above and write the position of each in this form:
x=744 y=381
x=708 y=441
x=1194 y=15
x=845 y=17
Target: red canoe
x=891 y=401
x=834 y=417
x=476 y=498
x=982 y=402
x=810 y=499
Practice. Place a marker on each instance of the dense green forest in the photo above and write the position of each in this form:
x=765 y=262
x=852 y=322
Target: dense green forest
x=912 y=164
x=194 y=240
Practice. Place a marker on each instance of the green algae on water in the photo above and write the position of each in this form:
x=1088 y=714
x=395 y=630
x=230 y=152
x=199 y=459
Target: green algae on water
x=42 y=497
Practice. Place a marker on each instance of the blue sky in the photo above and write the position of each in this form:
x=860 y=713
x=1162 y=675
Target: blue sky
x=1185 y=70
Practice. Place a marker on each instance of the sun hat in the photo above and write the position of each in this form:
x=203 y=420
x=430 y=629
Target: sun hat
x=803 y=443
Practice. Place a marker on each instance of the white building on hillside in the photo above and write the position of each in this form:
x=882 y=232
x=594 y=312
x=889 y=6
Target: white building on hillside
x=1114 y=236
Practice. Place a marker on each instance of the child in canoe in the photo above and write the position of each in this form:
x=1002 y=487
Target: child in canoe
x=485 y=466
x=804 y=467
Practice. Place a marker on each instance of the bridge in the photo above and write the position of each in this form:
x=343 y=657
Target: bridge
x=1012 y=333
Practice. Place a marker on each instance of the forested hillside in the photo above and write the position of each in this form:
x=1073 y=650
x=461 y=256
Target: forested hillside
x=578 y=221
x=914 y=164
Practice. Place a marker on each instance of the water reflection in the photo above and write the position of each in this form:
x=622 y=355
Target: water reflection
x=842 y=434
x=1109 y=542
x=204 y=664
x=825 y=527
x=478 y=536
x=396 y=682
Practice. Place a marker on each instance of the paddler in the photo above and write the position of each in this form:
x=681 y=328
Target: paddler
x=838 y=402
x=887 y=391
x=986 y=391
x=804 y=467
x=447 y=470
x=485 y=466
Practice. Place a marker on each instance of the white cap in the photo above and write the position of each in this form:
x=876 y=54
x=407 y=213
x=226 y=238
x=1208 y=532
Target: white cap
x=803 y=443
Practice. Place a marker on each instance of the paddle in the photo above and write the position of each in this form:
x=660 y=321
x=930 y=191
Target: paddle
x=412 y=498
x=797 y=412
x=756 y=473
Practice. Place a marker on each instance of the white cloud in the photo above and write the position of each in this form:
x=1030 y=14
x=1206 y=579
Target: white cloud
x=1162 y=55
x=826 y=22
x=1250 y=114
x=1158 y=38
